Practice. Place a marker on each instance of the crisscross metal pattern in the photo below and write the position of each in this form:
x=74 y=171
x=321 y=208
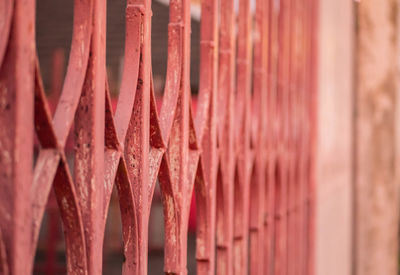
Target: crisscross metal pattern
x=247 y=152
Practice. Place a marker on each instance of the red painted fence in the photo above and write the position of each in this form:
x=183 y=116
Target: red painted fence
x=247 y=151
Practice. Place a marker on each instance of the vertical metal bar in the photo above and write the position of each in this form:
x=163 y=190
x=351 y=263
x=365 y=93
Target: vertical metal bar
x=300 y=138
x=16 y=132
x=180 y=162
x=242 y=139
x=259 y=133
x=273 y=128
x=304 y=139
x=281 y=187
x=291 y=147
x=89 y=142
x=226 y=84
x=206 y=128
x=270 y=138
x=177 y=155
x=136 y=142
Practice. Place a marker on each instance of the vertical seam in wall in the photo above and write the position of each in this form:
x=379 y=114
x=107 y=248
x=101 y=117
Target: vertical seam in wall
x=354 y=143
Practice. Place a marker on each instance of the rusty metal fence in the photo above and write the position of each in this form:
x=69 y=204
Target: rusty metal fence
x=247 y=151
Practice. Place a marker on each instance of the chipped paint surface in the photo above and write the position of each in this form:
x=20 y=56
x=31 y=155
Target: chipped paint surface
x=245 y=151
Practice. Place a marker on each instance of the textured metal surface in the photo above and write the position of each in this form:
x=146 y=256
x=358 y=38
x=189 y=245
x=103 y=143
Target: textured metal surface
x=246 y=152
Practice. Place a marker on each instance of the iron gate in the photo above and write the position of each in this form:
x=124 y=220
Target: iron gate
x=247 y=151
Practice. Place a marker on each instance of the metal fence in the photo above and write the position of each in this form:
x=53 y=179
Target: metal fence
x=247 y=151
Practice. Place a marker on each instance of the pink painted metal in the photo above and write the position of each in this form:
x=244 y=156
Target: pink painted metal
x=248 y=151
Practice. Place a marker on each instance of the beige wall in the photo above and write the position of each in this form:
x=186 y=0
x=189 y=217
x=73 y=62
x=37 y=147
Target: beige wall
x=377 y=187
x=334 y=150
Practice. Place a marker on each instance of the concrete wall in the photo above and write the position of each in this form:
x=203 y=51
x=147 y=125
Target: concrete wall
x=376 y=141
x=334 y=148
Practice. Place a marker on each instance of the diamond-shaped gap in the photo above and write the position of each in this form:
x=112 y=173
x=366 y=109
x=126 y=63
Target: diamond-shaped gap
x=268 y=215
x=238 y=201
x=159 y=46
x=156 y=234
x=191 y=245
x=195 y=51
x=50 y=255
x=277 y=181
x=113 y=256
x=54 y=24
x=220 y=221
x=238 y=220
x=115 y=44
x=278 y=189
x=253 y=217
x=156 y=217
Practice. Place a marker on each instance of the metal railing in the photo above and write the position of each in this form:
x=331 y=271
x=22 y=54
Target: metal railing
x=247 y=151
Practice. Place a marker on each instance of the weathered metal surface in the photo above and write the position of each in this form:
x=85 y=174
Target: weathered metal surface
x=247 y=151
x=242 y=140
